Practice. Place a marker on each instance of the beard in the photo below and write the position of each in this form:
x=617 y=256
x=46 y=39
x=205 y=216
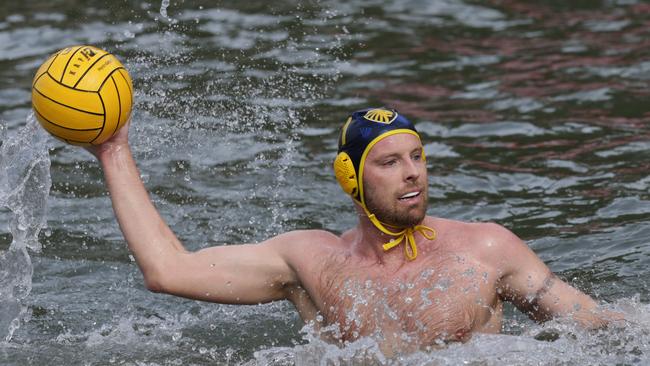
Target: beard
x=393 y=215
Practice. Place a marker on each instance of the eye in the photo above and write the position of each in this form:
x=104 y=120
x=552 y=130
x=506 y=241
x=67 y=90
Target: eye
x=389 y=162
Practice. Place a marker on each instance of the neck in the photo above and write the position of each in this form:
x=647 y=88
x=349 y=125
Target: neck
x=381 y=240
x=370 y=241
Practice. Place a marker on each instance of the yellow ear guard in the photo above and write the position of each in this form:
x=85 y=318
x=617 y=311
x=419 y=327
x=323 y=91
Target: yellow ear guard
x=345 y=174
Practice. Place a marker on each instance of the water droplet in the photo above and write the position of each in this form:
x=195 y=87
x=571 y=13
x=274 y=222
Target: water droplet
x=176 y=336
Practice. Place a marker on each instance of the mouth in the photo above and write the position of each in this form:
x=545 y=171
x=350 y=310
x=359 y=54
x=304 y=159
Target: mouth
x=410 y=196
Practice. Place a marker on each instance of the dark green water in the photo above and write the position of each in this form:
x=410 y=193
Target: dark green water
x=534 y=116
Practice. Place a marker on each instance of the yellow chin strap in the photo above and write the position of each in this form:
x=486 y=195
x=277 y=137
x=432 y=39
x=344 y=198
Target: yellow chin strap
x=410 y=250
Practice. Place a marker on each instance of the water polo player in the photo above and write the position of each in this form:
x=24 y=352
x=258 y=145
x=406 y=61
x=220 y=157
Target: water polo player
x=450 y=279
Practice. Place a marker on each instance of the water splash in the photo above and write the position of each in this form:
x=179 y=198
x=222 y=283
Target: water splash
x=552 y=343
x=24 y=188
x=163 y=11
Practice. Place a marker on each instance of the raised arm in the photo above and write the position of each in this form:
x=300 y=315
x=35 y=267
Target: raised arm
x=528 y=283
x=242 y=274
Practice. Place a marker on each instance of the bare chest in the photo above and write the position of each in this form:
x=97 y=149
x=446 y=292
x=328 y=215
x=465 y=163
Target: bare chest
x=433 y=302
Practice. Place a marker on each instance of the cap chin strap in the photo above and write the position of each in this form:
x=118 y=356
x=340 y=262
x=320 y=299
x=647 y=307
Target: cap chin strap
x=406 y=236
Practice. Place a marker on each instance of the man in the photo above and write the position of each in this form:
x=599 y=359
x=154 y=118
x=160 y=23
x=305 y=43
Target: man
x=406 y=279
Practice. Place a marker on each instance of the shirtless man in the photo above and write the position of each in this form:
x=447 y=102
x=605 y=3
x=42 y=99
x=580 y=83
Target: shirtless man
x=406 y=279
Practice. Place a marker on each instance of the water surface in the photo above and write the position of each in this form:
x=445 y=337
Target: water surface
x=534 y=116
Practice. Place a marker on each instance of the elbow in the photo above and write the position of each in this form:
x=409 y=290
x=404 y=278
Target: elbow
x=155 y=280
x=163 y=275
x=160 y=273
x=154 y=284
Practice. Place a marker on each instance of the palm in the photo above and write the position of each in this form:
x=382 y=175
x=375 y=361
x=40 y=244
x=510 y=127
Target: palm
x=121 y=138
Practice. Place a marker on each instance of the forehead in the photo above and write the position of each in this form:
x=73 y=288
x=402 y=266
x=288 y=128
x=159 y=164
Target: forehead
x=395 y=144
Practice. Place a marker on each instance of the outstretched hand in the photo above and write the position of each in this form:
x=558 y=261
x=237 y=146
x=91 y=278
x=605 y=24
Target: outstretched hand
x=116 y=142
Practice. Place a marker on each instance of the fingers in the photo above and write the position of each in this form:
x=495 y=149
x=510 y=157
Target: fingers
x=116 y=142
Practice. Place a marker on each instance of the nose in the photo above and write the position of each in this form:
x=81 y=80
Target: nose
x=411 y=170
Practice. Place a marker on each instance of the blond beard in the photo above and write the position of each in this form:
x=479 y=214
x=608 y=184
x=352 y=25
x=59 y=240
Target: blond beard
x=393 y=217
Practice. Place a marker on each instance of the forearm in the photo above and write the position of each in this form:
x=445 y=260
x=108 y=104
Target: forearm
x=558 y=299
x=149 y=238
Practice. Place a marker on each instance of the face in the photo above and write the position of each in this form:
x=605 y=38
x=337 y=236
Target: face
x=395 y=181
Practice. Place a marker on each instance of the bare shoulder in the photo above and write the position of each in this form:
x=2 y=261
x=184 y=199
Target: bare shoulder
x=307 y=236
x=489 y=242
x=305 y=252
x=301 y=242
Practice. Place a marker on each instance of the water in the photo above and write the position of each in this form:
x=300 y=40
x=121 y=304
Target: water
x=24 y=188
x=533 y=115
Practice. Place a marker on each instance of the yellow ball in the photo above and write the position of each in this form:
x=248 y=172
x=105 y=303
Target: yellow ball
x=82 y=95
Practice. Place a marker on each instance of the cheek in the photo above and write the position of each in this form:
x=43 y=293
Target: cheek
x=424 y=174
x=375 y=191
x=381 y=186
x=372 y=181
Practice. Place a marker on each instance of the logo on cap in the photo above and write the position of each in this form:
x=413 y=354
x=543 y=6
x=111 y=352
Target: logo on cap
x=365 y=132
x=380 y=116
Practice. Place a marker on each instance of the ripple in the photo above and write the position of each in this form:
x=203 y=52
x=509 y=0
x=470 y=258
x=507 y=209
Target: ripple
x=497 y=129
x=523 y=105
x=596 y=95
x=440 y=150
x=626 y=206
x=12 y=97
x=474 y=16
x=306 y=131
x=640 y=71
x=606 y=26
x=358 y=68
x=39 y=41
x=633 y=147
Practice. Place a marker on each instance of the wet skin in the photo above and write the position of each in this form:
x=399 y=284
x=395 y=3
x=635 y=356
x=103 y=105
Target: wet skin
x=447 y=293
x=348 y=285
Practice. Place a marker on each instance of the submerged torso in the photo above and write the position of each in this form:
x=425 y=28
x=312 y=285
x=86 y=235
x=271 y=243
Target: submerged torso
x=441 y=296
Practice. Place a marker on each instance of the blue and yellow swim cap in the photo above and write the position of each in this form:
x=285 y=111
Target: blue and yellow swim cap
x=362 y=130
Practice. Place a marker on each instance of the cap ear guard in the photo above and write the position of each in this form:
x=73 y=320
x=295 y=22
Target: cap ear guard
x=345 y=174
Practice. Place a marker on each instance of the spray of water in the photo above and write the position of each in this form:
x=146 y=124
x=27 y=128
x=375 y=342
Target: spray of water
x=163 y=12
x=24 y=187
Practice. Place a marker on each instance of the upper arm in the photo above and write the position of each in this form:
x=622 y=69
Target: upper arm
x=527 y=282
x=235 y=274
